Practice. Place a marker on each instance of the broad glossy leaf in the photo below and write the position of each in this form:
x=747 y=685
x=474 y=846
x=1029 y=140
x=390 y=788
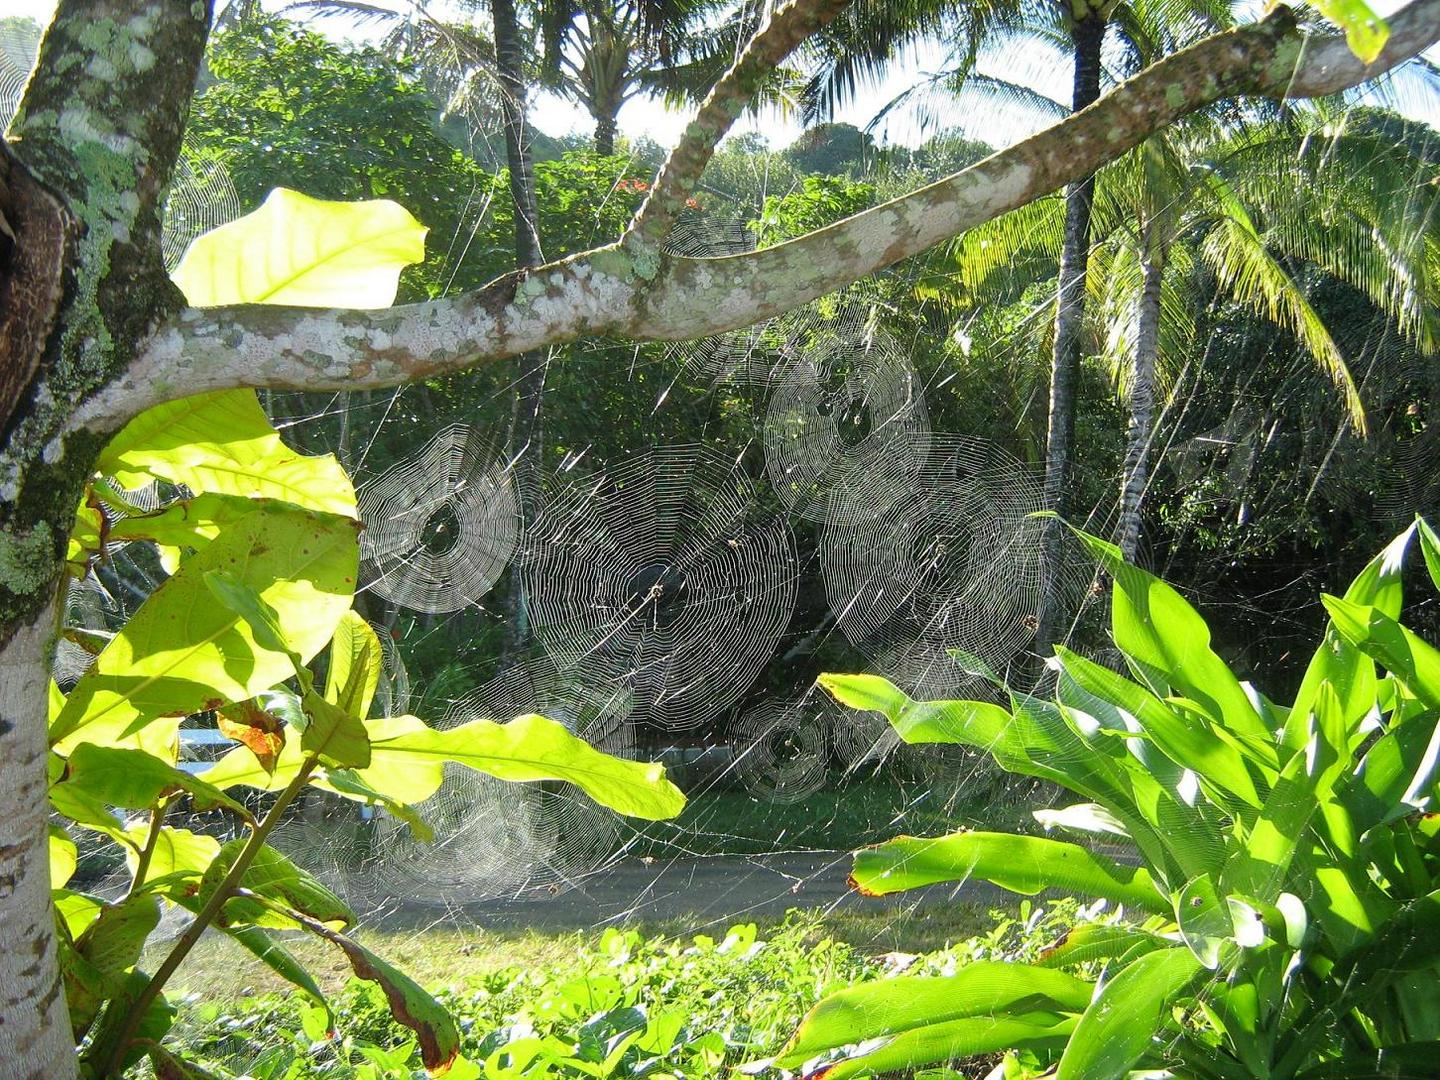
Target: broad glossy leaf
x=1409 y=1061
x=1262 y=865
x=181 y=652
x=405 y=753
x=1022 y=864
x=332 y=734
x=1397 y=773
x=1102 y=941
x=63 y=857
x=278 y=959
x=304 y=252
x=1187 y=739
x=1082 y=817
x=1127 y=1016
x=135 y=780
x=890 y=1006
x=1430 y=548
x=1156 y=626
x=970 y=723
x=255 y=727
x=272 y=877
x=409 y=1004
x=1403 y=653
x=1041 y=1032
x=355 y=663
x=223 y=443
x=185 y=523
x=76 y=910
x=1339 y=663
x=178 y=861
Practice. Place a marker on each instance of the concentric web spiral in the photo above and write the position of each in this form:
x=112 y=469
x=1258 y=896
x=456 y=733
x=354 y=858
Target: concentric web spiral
x=847 y=423
x=440 y=526
x=782 y=747
x=662 y=574
x=953 y=564
x=752 y=354
x=494 y=838
x=202 y=197
x=19 y=44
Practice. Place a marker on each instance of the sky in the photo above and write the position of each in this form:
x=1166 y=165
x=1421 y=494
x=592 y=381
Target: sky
x=994 y=124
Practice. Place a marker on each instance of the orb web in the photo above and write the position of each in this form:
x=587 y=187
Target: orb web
x=19 y=45
x=953 y=563
x=202 y=197
x=91 y=613
x=392 y=692
x=847 y=423
x=663 y=575
x=782 y=747
x=493 y=838
x=440 y=526
x=861 y=737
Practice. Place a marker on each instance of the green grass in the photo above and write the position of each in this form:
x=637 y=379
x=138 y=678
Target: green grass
x=449 y=956
x=841 y=816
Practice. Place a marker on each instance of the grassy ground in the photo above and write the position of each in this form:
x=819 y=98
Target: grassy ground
x=448 y=956
x=842 y=816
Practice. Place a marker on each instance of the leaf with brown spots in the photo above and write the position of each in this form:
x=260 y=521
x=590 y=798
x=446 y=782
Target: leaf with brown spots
x=263 y=732
x=409 y=1004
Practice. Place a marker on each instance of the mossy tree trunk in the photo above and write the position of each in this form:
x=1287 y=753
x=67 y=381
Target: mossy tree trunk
x=85 y=167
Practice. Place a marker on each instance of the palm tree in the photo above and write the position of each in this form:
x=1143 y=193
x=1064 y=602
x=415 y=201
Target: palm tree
x=872 y=34
x=1247 y=213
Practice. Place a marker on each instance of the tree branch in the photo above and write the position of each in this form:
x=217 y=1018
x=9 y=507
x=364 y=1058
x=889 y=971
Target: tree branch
x=642 y=296
x=727 y=100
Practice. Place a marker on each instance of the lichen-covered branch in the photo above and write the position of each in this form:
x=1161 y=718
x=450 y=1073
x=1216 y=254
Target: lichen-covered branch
x=622 y=292
x=727 y=100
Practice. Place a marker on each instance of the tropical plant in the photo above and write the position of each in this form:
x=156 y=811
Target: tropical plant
x=1249 y=214
x=262 y=553
x=1286 y=859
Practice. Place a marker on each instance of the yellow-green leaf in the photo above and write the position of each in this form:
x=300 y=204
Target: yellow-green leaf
x=182 y=652
x=304 y=252
x=1365 y=32
x=223 y=442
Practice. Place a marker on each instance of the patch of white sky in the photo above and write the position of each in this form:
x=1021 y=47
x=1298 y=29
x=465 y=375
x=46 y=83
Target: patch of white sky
x=918 y=111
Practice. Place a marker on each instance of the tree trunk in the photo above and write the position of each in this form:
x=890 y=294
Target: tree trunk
x=606 y=125
x=526 y=420
x=1089 y=32
x=1136 y=476
x=81 y=286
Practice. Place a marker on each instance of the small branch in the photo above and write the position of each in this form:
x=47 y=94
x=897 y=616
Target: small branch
x=224 y=892
x=729 y=98
x=152 y=837
x=641 y=296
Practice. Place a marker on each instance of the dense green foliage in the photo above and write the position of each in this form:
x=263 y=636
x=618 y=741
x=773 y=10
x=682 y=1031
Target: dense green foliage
x=1286 y=856
x=626 y=1006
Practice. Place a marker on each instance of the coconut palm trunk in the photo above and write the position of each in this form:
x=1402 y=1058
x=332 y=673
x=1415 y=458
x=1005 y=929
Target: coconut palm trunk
x=1136 y=476
x=526 y=429
x=1089 y=35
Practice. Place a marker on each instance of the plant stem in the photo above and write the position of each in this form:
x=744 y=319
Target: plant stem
x=142 y=861
x=204 y=918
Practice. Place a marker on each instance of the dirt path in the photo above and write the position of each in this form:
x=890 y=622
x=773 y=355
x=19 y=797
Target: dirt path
x=722 y=889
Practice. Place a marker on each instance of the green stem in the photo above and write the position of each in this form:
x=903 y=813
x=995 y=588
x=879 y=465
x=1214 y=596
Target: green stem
x=223 y=892
x=142 y=861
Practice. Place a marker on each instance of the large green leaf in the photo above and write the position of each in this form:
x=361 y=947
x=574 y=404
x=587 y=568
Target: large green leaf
x=407 y=761
x=272 y=877
x=1022 y=864
x=405 y=753
x=182 y=652
x=891 y=1006
x=1188 y=740
x=1404 y=654
x=1040 y=1032
x=1127 y=1016
x=1350 y=674
x=304 y=252
x=1155 y=625
x=1261 y=866
x=355 y=663
x=135 y=780
x=223 y=443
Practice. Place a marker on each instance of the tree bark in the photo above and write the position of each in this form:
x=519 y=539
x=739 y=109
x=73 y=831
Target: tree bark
x=526 y=435
x=90 y=155
x=1089 y=35
x=1136 y=476
x=605 y=127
